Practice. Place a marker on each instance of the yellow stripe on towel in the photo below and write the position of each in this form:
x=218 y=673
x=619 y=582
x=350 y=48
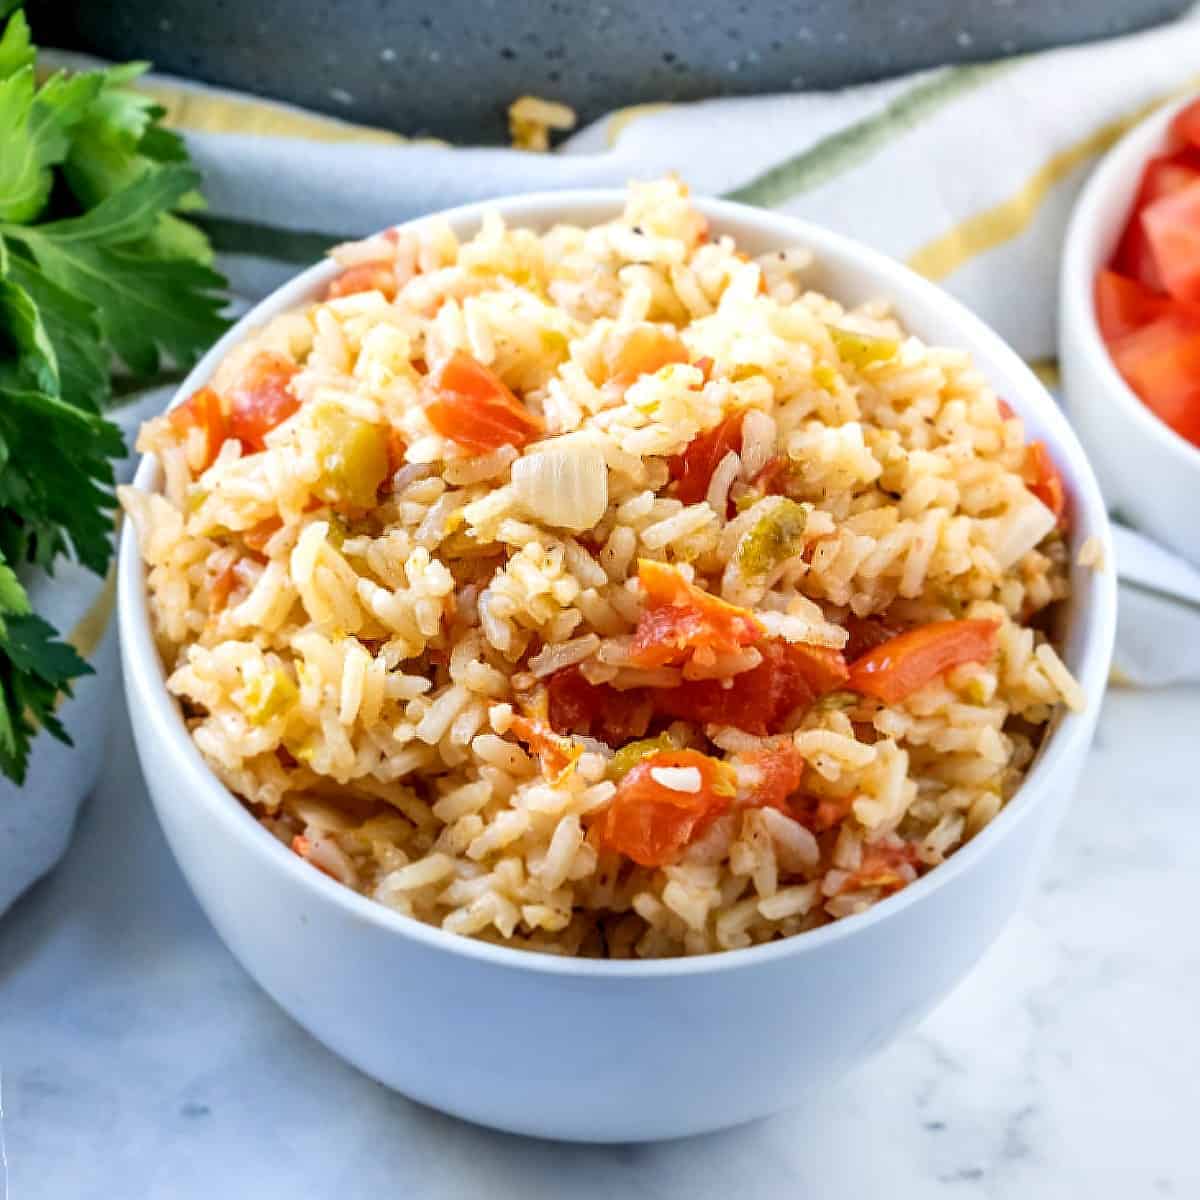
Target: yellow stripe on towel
x=994 y=226
x=624 y=117
x=1046 y=369
x=200 y=111
x=90 y=628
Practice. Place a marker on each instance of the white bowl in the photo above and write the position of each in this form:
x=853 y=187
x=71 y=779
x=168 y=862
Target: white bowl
x=1149 y=474
x=622 y=1051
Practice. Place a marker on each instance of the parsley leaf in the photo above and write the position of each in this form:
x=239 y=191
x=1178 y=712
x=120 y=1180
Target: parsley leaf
x=119 y=140
x=16 y=50
x=35 y=135
x=99 y=269
x=26 y=150
x=144 y=303
x=55 y=481
x=35 y=669
x=73 y=328
x=124 y=216
x=20 y=322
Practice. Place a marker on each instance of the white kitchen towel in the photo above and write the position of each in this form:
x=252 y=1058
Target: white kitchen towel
x=967 y=173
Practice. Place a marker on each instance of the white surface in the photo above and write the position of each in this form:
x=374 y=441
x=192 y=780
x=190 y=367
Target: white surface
x=140 y=1062
x=1150 y=475
x=778 y=1022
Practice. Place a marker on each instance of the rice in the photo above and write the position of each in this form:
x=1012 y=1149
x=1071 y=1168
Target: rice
x=1091 y=553
x=466 y=698
x=531 y=119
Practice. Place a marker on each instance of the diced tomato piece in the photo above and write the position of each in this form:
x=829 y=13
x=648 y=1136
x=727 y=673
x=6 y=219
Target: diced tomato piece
x=681 y=618
x=822 y=813
x=364 y=277
x=816 y=669
x=1163 y=175
x=1166 y=174
x=1123 y=305
x=556 y=754
x=1172 y=226
x=904 y=664
x=672 y=633
x=1133 y=257
x=1185 y=127
x=470 y=404
x=778 y=771
x=202 y=410
x=1046 y=481
x=693 y=469
x=1161 y=362
x=771 y=478
x=221 y=589
x=651 y=822
x=883 y=867
x=644 y=350
x=868 y=632
x=257 y=536
x=312 y=854
x=261 y=399
x=664 y=584
x=790 y=676
x=576 y=706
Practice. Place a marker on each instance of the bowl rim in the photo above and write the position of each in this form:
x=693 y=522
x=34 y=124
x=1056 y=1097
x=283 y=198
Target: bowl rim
x=1067 y=737
x=1119 y=170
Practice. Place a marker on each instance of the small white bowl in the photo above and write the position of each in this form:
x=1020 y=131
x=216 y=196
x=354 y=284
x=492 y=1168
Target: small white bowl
x=623 y=1051
x=1149 y=474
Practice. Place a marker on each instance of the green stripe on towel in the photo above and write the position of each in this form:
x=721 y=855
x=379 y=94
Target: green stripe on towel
x=828 y=158
x=230 y=236
x=856 y=143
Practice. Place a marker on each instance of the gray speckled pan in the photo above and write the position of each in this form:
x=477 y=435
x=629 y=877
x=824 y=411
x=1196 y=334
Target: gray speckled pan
x=450 y=67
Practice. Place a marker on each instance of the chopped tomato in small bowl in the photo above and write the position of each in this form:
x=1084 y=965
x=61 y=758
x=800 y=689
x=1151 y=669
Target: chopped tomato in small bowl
x=1129 y=336
x=1148 y=294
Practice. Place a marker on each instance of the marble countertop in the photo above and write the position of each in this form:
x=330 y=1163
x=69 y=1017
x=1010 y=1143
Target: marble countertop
x=139 y=1061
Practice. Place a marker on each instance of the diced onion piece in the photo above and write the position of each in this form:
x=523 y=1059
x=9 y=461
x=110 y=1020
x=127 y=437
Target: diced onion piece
x=1013 y=535
x=677 y=779
x=564 y=484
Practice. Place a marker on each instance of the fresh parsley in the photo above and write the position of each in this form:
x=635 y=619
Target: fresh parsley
x=100 y=274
